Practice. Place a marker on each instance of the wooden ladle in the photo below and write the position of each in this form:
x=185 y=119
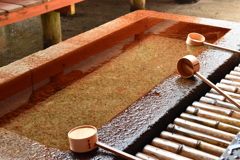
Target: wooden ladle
x=84 y=139
x=197 y=39
x=189 y=65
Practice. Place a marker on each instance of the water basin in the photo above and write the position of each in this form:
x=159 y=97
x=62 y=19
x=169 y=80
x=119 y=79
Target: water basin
x=99 y=77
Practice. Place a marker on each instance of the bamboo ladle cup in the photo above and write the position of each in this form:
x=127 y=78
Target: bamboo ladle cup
x=189 y=65
x=197 y=39
x=84 y=139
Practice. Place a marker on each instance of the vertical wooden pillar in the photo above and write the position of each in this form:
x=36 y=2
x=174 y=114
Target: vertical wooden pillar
x=68 y=10
x=137 y=5
x=2 y=37
x=51 y=24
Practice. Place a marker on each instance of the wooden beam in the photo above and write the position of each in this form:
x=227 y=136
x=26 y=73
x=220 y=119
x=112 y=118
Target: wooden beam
x=36 y=10
x=25 y=3
x=2 y=12
x=10 y=7
x=68 y=10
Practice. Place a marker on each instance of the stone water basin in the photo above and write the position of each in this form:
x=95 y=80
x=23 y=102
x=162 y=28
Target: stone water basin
x=120 y=77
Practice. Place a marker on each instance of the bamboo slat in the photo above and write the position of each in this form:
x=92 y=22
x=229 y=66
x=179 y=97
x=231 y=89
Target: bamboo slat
x=236 y=73
x=232 y=77
x=204 y=146
x=208 y=126
x=182 y=150
x=235 y=96
x=193 y=134
x=214 y=116
x=215 y=96
x=237 y=68
x=211 y=123
x=228 y=88
x=204 y=129
x=217 y=109
x=218 y=103
x=233 y=83
x=218 y=90
x=201 y=120
x=212 y=108
x=145 y=156
x=162 y=154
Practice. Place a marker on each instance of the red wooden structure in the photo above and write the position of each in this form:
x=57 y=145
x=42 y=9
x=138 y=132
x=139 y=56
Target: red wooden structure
x=12 y=11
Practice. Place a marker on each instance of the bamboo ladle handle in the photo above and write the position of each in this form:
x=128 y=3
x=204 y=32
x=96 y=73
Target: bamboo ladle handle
x=84 y=139
x=197 y=39
x=189 y=65
x=116 y=151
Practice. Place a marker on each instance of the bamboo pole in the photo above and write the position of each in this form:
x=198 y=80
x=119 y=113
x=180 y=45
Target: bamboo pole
x=116 y=151
x=229 y=82
x=182 y=150
x=212 y=108
x=217 y=109
x=189 y=65
x=201 y=120
x=216 y=46
x=228 y=88
x=180 y=139
x=145 y=156
x=204 y=129
x=215 y=96
x=217 y=89
x=193 y=134
x=211 y=123
x=235 y=96
x=214 y=116
x=237 y=68
x=162 y=154
x=218 y=103
x=198 y=144
x=235 y=73
x=232 y=77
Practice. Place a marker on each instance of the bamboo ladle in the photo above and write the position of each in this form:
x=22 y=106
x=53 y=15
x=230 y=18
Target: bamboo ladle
x=197 y=39
x=84 y=139
x=189 y=65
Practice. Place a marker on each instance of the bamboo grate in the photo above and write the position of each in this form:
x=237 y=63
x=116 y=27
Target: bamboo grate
x=204 y=130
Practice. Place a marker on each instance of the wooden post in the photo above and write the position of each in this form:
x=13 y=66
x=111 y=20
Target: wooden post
x=51 y=25
x=68 y=10
x=137 y=5
x=3 y=40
